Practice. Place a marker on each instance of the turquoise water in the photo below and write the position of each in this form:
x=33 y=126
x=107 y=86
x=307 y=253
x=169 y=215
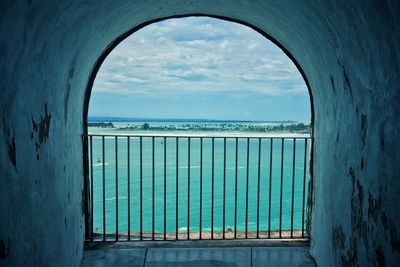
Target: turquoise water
x=194 y=168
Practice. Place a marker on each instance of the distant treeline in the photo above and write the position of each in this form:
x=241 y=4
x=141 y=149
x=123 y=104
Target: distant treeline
x=294 y=128
x=122 y=119
x=101 y=124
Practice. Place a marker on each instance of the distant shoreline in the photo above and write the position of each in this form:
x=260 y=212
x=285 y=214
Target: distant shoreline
x=125 y=119
x=299 y=128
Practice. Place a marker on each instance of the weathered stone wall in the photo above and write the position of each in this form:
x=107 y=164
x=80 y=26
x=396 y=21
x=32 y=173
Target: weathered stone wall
x=349 y=51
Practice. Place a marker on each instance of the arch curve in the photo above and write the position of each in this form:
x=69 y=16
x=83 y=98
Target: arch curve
x=134 y=29
x=112 y=45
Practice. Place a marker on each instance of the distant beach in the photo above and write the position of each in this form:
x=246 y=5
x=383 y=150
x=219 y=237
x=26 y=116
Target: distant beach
x=196 y=127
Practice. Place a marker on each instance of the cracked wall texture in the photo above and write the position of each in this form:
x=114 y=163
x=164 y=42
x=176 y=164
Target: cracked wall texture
x=349 y=51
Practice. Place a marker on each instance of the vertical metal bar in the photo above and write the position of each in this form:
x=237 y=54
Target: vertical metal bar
x=129 y=186
x=212 y=190
x=247 y=186
x=258 y=187
x=224 y=194
x=236 y=183
x=293 y=177
x=104 y=187
x=270 y=188
x=281 y=192
x=165 y=188
x=188 y=181
x=141 y=187
x=91 y=187
x=116 y=188
x=152 y=189
x=177 y=188
x=201 y=187
x=304 y=185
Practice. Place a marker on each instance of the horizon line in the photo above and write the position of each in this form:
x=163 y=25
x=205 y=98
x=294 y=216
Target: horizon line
x=141 y=119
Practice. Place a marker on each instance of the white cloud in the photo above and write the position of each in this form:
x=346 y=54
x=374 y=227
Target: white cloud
x=198 y=55
x=252 y=45
x=223 y=44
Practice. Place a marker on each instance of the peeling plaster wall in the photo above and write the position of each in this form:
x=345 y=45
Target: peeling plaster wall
x=349 y=51
x=41 y=221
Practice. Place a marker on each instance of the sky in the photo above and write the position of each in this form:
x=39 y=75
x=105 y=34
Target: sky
x=199 y=68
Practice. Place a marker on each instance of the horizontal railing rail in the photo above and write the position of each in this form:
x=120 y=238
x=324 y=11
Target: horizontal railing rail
x=181 y=187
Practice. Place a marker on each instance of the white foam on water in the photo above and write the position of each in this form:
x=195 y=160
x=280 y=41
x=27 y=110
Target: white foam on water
x=100 y=164
x=113 y=198
x=185 y=167
x=182 y=229
x=239 y=167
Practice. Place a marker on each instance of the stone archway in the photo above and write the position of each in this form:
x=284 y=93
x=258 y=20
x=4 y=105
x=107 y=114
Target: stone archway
x=114 y=44
x=348 y=51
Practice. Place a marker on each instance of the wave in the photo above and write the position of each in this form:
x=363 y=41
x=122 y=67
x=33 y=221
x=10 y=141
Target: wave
x=192 y=167
x=232 y=168
x=113 y=198
x=100 y=164
x=216 y=229
x=184 y=167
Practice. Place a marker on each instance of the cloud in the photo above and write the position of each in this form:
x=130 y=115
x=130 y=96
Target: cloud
x=198 y=54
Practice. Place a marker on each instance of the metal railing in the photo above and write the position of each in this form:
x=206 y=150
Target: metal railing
x=197 y=187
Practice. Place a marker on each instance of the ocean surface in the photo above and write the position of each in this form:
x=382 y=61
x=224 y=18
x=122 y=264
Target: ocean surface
x=187 y=174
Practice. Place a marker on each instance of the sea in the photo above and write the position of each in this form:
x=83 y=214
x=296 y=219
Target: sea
x=220 y=183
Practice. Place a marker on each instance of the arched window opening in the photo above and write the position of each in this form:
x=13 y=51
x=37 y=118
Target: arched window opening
x=198 y=128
